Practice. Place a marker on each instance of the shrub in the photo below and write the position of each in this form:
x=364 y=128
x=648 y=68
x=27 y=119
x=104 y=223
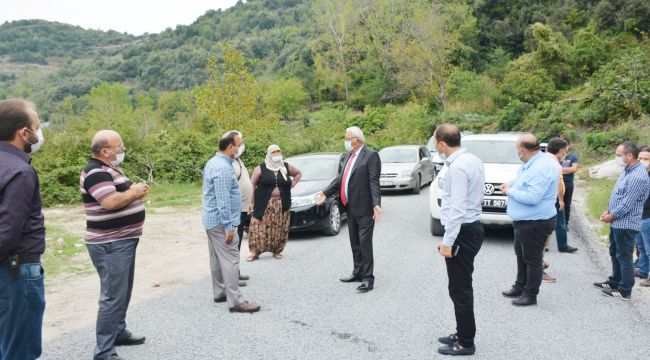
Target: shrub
x=512 y=115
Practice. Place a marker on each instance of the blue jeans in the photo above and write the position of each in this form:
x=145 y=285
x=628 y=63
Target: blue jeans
x=22 y=302
x=621 y=249
x=115 y=264
x=642 y=240
x=560 y=231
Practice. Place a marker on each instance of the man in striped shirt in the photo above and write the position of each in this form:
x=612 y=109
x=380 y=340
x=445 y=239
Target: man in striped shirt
x=624 y=216
x=114 y=221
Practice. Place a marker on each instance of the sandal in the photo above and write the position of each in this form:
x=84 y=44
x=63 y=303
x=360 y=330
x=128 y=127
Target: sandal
x=252 y=257
x=278 y=256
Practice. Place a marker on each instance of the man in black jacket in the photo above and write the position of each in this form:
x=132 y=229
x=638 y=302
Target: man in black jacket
x=358 y=186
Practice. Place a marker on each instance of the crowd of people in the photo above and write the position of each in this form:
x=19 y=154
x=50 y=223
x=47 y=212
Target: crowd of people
x=234 y=201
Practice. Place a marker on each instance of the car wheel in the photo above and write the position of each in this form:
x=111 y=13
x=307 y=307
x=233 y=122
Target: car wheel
x=436 y=227
x=418 y=184
x=335 y=220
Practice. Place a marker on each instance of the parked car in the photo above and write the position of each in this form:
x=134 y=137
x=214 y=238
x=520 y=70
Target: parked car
x=318 y=171
x=405 y=167
x=435 y=158
x=499 y=156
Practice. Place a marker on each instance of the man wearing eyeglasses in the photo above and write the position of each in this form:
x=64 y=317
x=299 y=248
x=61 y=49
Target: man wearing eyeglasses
x=114 y=220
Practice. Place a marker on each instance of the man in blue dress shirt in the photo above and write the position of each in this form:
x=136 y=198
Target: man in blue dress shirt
x=531 y=205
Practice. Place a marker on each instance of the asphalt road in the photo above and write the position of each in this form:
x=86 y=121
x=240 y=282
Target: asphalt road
x=308 y=314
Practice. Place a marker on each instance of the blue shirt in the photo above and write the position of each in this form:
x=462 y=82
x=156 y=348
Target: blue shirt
x=221 y=195
x=462 y=196
x=534 y=190
x=567 y=162
x=628 y=197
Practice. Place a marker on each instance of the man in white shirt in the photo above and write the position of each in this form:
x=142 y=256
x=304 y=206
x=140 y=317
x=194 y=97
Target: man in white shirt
x=246 y=189
x=462 y=198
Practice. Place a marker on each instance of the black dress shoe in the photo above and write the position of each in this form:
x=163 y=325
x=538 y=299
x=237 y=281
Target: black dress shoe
x=524 y=300
x=131 y=340
x=513 y=292
x=569 y=249
x=448 y=340
x=220 y=300
x=366 y=286
x=456 y=349
x=244 y=277
x=351 y=278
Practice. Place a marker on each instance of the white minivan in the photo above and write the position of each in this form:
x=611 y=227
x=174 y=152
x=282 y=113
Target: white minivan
x=499 y=156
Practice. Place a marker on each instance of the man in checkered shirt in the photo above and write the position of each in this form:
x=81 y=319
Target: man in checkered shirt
x=624 y=216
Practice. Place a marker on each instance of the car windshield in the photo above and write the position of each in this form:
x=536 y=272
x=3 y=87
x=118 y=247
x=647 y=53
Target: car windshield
x=316 y=168
x=493 y=151
x=396 y=155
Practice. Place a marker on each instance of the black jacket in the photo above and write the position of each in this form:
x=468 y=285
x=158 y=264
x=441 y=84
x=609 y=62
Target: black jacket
x=363 y=187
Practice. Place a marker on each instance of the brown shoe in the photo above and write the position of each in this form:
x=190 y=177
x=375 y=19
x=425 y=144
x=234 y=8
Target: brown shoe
x=645 y=282
x=245 y=307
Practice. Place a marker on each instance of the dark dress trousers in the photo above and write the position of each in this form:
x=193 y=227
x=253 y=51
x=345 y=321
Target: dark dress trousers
x=363 y=195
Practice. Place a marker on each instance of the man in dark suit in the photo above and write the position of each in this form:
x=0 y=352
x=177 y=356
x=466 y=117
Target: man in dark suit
x=358 y=186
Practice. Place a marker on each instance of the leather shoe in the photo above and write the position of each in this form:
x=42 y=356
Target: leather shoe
x=220 y=300
x=569 y=249
x=242 y=283
x=365 y=286
x=351 y=278
x=244 y=277
x=524 y=300
x=131 y=340
x=448 y=340
x=513 y=292
x=245 y=307
x=456 y=349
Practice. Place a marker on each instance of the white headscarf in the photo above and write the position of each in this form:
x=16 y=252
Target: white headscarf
x=275 y=165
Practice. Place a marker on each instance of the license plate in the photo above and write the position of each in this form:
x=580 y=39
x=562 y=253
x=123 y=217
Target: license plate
x=495 y=203
x=385 y=183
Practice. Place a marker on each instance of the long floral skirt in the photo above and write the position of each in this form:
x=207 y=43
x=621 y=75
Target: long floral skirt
x=271 y=233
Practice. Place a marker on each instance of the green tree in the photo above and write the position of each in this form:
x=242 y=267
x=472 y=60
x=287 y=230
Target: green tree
x=286 y=96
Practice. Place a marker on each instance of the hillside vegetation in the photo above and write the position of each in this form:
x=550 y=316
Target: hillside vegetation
x=297 y=72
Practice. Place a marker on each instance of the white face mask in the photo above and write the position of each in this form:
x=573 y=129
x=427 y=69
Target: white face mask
x=39 y=142
x=119 y=158
x=348 y=145
x=240 y=150
x=646 y=164
x=276 y=158
x=620 y=162
x=442 y=155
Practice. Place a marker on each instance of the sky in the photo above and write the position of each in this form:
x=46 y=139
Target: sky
x=132 y=16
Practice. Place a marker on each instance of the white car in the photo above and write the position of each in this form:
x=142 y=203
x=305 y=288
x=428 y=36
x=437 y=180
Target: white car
x=499 y=156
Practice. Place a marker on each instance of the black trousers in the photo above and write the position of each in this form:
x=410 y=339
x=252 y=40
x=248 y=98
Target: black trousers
x=360 y=229
x=459 y=270
x=530 y=239
x=568 y=197
x=244 y=223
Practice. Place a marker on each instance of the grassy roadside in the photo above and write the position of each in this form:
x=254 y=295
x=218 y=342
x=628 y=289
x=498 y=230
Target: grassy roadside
x=598 y=192
x=62 y=247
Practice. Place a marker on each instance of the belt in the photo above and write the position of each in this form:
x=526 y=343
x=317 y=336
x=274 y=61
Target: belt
x=24 y=258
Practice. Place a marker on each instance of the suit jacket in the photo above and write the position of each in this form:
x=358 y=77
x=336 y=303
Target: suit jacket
x=363 y=187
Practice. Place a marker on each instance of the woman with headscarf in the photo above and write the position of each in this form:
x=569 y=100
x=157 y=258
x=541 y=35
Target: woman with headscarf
x=272 y=181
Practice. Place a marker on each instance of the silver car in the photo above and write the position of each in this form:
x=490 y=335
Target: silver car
x=405 y=167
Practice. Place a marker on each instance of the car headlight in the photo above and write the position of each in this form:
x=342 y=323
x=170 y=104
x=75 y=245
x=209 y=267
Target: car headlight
x=405 y=173
x=298 y=201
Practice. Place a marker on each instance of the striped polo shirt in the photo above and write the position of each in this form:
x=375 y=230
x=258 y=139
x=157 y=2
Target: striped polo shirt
x=98 y=181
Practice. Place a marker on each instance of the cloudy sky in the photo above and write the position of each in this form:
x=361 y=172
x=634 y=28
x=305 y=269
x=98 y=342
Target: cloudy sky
x=133 y=16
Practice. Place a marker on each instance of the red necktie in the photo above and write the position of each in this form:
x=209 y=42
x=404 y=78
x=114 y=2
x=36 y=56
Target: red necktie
x=344 y=181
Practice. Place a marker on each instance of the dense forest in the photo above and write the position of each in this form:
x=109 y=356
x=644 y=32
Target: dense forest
x=297 y=72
